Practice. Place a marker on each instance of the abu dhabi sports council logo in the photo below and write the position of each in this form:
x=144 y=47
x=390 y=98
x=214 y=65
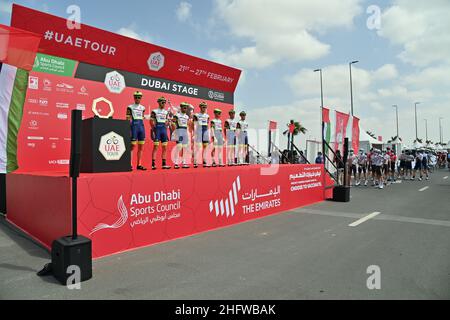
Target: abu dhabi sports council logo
x=119 y=223
x=156 y=61
x=227 y=205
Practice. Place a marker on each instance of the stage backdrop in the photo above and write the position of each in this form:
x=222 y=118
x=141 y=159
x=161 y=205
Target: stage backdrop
x=76 y=67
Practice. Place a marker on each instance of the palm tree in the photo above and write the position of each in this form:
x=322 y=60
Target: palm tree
x=394 y=138
x=371 y=134
x=298 y=128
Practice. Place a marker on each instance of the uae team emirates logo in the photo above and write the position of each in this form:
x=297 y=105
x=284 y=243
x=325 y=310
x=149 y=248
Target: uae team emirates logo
x=119 y=223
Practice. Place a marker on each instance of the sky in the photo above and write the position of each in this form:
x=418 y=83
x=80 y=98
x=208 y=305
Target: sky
x=403 y=49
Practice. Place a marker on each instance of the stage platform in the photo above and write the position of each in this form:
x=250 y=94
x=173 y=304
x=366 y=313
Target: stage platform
x=125 y=211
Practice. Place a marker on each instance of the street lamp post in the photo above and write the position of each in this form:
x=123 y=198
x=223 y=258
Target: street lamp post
x=426 y=129
x=396 y=112
x=322 y=126
x=440 y=130
x=351 y=84
x=321 y=113
x=415 y=108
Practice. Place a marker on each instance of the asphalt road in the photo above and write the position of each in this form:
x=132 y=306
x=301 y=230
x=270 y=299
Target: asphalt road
x=308 y=253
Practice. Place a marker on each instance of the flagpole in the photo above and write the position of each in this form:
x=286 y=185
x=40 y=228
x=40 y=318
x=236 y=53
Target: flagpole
x=322 y=134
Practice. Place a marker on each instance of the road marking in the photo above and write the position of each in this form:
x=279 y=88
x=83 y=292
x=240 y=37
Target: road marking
x=423 y=189
x=445 y=178
x=385 y=217
x=358 y=222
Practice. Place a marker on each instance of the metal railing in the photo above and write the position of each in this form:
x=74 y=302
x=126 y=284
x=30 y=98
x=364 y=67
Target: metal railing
x=283 y=156
x=340 y=161
x=300 y=153
x=259 y=155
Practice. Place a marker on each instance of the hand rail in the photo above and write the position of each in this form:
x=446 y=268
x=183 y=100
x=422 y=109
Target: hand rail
x=259 y=154
x=300 y=153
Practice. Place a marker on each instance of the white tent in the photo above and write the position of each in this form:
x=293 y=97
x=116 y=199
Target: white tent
x=417 y=145
x=366 y=142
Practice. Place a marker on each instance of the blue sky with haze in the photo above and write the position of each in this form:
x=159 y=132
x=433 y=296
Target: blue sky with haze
x=278 y=44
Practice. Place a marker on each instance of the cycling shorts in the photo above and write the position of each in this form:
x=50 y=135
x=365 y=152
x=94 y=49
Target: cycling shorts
x=160 y=134
x=137 y=132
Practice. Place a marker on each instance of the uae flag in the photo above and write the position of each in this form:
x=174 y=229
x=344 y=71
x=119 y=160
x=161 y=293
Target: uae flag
x=17 y=53
x=13 y=88
x=326 y=127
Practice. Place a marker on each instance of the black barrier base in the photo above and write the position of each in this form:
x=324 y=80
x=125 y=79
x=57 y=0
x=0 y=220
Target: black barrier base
x=67 y=252
x=341 y=194
x=2 y=193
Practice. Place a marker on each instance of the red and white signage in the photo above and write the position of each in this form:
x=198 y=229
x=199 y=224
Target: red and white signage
x=99 y=47
x=136 y=210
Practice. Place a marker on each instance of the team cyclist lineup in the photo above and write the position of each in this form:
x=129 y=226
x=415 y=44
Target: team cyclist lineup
x=383 y=167
x=198 y=138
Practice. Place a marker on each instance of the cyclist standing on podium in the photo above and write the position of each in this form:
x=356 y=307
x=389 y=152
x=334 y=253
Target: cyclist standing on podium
x=135 y=114
x=202 y=139
x=242 y=127
x=230 y=131
x=159 y=122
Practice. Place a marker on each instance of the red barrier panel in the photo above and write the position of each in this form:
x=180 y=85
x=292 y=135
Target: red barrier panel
x=123 y=211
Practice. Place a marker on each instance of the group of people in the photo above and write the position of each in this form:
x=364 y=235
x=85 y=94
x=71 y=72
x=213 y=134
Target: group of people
x=383 y=166
x=194 y=134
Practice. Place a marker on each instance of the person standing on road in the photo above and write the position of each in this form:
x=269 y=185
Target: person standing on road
x=386 y=166
x=352 y=162
x=418 y=166
x=425 y=163
x=339 y=162
x=393 y=162
x=378 y=161
x=319 y=158
x=409 y=165
x=402 y=168
x=362 y=167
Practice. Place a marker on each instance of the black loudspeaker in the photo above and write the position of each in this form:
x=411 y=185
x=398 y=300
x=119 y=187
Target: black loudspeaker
x=345 y=150
x=67 y=252
x=72 y=251
x=341 y=194
x=75 y=146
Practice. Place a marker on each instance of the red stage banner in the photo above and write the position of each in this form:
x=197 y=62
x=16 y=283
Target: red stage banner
x=124 y=211
x=18 y=48
x=341 y=130
x=99 y=47
x=355 y=134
